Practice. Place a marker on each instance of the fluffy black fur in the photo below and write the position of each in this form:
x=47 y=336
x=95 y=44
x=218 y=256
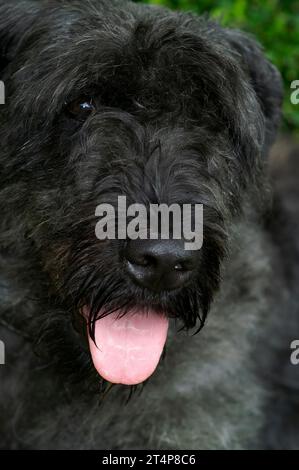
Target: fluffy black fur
x=184 y=111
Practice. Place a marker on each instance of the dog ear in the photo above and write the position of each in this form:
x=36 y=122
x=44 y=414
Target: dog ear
x=265 y=78
x=15 y=19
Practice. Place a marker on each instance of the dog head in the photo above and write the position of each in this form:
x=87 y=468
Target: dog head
x=108 y=99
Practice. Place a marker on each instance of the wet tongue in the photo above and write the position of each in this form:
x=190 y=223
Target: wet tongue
x=128 y=348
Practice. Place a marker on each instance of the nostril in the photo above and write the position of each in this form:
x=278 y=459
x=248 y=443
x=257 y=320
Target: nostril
x=149 y=260
x=144 y=262
x=141 y=260
x=180 y=267
x=184 y=265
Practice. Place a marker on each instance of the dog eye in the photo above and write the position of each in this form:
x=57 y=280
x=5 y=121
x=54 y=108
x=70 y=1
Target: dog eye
x=81 y=108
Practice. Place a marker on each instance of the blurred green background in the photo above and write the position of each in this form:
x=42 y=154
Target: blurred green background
x=276 y=25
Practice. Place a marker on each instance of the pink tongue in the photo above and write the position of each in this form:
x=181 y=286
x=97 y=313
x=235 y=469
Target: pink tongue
x=128 y=349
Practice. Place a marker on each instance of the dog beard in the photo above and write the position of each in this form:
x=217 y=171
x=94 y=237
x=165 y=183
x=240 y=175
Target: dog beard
x=125 y=327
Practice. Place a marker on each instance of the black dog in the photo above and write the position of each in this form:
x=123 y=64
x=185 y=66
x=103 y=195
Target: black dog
x=107 y=98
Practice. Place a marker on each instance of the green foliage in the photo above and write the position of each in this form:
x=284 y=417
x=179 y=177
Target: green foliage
x=276 y=25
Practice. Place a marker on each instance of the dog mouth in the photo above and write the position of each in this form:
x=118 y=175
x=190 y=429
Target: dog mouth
x=126 y=349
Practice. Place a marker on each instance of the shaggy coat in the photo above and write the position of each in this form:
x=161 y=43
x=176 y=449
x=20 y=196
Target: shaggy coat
x=183 y=111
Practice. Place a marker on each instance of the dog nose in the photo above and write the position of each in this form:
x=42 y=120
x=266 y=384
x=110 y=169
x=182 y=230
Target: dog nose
x=159 y=264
